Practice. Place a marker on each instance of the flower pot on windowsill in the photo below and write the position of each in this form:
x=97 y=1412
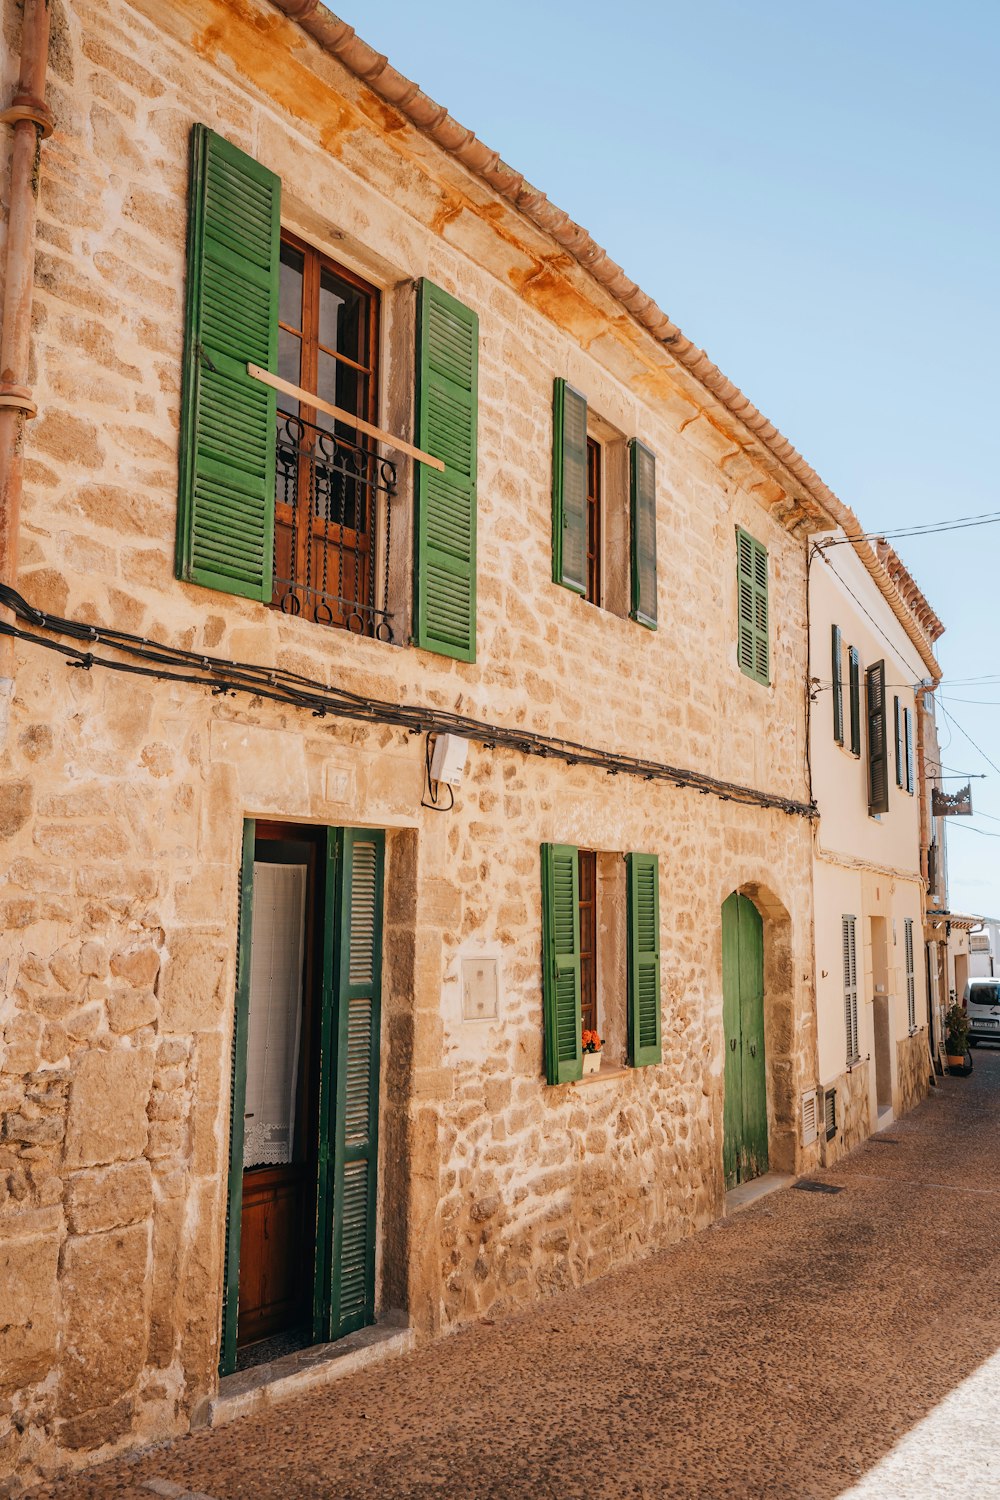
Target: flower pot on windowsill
x=591 y=1063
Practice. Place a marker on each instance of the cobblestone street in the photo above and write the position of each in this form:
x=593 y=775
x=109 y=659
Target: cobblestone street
x=782 y=1353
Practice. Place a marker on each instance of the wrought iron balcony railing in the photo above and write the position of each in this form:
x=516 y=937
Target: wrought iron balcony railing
x=333 y=520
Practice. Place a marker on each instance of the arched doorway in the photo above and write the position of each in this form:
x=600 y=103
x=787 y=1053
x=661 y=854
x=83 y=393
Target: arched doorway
x=744 y=1144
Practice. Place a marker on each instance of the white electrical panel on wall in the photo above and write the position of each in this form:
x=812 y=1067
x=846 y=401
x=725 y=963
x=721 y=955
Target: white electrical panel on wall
x=448 y=759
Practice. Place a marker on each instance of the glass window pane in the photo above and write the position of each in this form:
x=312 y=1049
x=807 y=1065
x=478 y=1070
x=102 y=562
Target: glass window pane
x=342 y=386
x=290 y=287
x=343 y=318
x=289 y=368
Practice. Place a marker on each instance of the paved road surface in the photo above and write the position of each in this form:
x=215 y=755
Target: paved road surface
x=810 y=1346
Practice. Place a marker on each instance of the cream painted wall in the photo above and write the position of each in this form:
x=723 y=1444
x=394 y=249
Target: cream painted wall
x=843 y=593
x=841 y=891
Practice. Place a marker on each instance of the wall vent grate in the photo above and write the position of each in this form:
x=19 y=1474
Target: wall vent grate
x=830 y=1113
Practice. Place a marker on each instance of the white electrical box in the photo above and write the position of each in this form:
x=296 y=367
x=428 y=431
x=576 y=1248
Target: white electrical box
x=448 y=759
x=480 y=989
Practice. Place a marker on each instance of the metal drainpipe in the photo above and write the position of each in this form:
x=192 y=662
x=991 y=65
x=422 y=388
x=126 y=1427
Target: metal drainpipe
x=32 y=121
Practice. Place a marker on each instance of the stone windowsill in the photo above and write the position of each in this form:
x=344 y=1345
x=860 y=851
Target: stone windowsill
x=307 y=1370
x=603 y=1075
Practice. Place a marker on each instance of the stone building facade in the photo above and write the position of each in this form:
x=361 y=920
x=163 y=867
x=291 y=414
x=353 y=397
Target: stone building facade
x=196 y=744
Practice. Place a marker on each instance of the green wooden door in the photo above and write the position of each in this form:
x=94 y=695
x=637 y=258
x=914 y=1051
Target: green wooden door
x=744 y=1148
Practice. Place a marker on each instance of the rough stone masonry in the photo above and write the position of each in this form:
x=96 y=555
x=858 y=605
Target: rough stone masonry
x=122 y=799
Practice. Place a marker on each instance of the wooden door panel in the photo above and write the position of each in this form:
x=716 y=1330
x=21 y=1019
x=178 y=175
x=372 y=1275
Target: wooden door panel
x=276 y=1262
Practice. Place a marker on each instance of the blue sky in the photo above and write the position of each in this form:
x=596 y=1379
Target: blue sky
x=812 y=194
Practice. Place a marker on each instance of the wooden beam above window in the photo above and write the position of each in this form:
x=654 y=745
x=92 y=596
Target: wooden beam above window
x=309 y=398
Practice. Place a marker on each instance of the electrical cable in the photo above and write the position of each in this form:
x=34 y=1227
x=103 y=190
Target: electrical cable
x=433 y=788
x=952 y=720
x=931 y=528
x=918 y=676
x=224 y=677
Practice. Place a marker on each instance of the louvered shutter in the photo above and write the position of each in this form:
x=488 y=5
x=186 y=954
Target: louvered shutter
x=878 y=748
x=644 y=1044
x=446 y=509
x=561 y=963
x=838 y=686
x=753 y=645
x=911 y=978
x=357 y=1006
x=908 y=747
x=225 y=513
x=897 y=725
x=854 y=684
x=237 y=1104
x=850 y=987
x=642 y=489
x=569 y=487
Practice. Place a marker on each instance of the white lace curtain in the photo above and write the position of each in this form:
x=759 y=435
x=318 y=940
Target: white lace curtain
x=276 y=952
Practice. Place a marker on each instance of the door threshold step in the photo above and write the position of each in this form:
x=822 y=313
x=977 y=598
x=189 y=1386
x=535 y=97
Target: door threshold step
x=758 y=1187
x=305 y=1370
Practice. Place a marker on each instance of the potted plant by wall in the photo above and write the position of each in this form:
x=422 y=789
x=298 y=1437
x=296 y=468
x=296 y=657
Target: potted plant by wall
x=592 y=1045
x=956 y=1042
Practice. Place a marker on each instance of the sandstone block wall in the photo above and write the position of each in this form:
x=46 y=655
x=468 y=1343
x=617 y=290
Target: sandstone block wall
x=854 y=1120
x=913 y=1065
x=122 y=800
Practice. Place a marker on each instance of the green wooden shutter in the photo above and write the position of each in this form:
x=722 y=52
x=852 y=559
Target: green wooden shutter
x=356 y=1007
x=642 y=489
x=753 y=645
x=838 y=685
x=561 y=963
x=569 y=487
x=897 y=725
x=854 y=679
x=447 y=427
x=225 y=513
x=878 y=749
x=237 y=1105
x=644 y=1042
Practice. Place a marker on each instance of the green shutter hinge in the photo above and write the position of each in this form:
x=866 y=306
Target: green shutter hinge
x=203 y=358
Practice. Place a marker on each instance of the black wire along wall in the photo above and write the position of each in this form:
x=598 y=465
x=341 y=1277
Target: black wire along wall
x=150 y=658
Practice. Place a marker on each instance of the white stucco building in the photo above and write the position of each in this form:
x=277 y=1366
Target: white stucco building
x=871 y=639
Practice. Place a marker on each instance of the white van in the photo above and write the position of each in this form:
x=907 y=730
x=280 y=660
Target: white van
x=982 y=1005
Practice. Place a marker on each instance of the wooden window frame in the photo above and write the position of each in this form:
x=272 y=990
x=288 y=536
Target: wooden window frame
x=361 y=543
x=588 y=903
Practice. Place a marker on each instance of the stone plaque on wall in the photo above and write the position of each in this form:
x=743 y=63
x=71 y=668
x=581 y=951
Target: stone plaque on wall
x=480 y=989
